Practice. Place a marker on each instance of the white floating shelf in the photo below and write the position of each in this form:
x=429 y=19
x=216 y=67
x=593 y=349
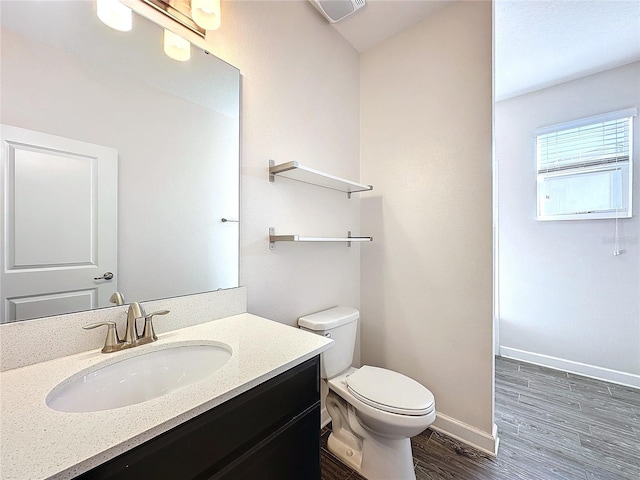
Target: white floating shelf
x=299 y=238
x=300 y=173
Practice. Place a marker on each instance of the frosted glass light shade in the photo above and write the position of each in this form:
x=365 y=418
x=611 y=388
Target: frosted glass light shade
x=176 y=47
x=206 y=13
x=114 y=14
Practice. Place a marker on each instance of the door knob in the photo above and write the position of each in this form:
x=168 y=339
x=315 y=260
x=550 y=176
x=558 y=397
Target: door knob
x=105 y=276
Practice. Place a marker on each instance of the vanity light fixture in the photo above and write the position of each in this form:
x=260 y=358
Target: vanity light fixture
x=176 y=47
x=196 y=15
x=206 y=13
x=114 y=14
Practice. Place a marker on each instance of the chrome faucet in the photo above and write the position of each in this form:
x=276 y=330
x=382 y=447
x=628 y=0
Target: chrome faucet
x=134 y=312
x=131 y=339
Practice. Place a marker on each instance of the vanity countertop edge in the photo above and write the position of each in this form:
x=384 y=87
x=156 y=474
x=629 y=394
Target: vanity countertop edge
x=37 y=442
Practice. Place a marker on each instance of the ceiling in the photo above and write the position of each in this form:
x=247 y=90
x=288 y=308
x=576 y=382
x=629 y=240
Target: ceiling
x=543 y=43
x=382 y=19
x=538 y=43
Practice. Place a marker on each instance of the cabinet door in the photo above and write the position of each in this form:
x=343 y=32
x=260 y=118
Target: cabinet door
x=292 y=453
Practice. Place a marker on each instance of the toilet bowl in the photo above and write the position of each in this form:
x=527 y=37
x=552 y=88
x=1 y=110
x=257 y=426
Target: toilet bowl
x=374 y=411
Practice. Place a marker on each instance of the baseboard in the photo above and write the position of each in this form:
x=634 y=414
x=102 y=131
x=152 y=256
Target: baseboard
x=473 y=437
x=592 y=371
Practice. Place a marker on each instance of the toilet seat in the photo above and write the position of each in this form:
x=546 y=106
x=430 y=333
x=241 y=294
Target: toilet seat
x=390 y=391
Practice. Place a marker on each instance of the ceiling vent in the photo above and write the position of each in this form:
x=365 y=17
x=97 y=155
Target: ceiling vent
x=336 y=10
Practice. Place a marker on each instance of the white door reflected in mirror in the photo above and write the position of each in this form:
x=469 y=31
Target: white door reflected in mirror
x=59 y=224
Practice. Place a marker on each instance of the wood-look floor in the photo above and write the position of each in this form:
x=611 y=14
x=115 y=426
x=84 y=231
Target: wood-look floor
x=551 y=425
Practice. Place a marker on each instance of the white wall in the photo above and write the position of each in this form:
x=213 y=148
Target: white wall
x=426 y=111
x=299 y=96
x=565 y=299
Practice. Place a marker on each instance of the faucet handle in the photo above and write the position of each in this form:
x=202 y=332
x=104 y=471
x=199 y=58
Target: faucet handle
x=148 y=334
x=112 y=342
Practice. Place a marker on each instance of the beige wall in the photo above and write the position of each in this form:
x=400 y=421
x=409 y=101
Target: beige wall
x=426 y=112
x=299 y=97
x=417 y=111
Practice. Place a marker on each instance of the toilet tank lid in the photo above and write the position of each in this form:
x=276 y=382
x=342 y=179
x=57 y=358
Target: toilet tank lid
x=327 y=319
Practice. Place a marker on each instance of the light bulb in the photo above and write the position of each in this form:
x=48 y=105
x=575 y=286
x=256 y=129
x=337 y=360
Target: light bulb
x=114 y=14
x=176 y=47
x=206 y=13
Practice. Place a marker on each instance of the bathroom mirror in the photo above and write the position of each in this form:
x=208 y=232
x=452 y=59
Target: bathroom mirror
x=174 y=127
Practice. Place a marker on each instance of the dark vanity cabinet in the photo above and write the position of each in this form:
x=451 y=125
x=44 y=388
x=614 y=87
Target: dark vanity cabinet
x=268 y=432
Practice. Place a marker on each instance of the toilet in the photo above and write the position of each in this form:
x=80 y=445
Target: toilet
x=374 y=411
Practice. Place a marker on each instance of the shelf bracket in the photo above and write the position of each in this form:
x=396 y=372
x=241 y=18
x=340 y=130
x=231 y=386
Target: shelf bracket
x=272 y=232
x=272 y=176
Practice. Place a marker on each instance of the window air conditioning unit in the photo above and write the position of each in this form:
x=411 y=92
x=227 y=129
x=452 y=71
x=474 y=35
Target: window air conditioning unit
x=336 y=10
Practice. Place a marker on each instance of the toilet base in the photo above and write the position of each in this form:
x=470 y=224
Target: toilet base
x=384 y=458
x=345 y=452
x=373 y=456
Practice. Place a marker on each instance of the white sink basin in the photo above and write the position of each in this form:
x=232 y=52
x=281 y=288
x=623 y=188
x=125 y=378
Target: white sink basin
x=138 y=379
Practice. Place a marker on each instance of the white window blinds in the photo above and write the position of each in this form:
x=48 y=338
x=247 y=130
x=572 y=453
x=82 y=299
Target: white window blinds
x=596 y=143
x=585 y=168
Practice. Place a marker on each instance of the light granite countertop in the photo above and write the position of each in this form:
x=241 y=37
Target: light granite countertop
x=37 y=442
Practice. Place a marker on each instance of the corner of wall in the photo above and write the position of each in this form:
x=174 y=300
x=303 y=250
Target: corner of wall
x=468 y=434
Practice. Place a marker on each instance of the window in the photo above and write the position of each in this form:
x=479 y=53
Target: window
x=585 y=168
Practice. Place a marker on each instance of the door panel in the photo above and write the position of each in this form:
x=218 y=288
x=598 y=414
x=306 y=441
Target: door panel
x=52 y=304
x=59 y=224
x=53 y=198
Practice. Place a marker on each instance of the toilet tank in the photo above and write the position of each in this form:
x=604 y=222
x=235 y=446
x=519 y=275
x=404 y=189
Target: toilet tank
x=340 y=324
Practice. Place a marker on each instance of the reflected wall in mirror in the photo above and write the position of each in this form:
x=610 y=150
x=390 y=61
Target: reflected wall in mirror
x=174 y=130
